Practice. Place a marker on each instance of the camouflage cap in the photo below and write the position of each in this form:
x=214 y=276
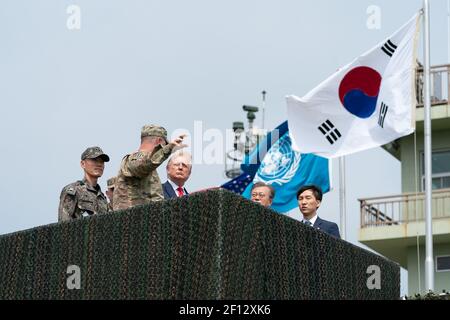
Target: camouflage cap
x=153 y=130
x=94 y=152
x=111 y=183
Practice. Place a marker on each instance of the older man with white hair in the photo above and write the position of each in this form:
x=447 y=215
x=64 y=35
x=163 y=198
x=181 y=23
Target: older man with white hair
x=178 y=171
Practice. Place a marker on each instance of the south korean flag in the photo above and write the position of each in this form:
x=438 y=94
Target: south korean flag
x=365 y=104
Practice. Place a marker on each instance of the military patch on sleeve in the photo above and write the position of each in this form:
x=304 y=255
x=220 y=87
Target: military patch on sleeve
x=137 y=156
x=71 y=191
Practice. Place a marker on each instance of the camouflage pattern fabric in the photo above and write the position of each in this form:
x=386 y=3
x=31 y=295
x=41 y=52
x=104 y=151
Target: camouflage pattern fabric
x=94 y=152
x=111 y=183
x=152 y=130
x=79 y=199
x=137 y=181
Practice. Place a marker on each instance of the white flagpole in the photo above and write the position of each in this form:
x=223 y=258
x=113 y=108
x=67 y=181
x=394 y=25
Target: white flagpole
x=342 y=198
x=429 y=261
x=263 y=109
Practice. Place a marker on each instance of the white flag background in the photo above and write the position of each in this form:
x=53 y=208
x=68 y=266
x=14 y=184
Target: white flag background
x=365 y=104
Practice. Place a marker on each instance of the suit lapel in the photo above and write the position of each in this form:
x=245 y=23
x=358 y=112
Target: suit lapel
x=169 y=190
x=318 y=223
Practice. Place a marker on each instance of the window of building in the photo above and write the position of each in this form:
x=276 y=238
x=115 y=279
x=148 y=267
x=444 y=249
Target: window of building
x=442 y=263
x=440 y=161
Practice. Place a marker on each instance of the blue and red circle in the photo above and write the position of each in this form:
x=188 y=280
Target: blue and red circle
x=359 y=91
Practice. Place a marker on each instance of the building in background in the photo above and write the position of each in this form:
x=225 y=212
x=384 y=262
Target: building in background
x=394 y=225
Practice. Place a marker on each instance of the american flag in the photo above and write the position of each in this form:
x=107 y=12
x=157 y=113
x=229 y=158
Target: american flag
x=239 y=184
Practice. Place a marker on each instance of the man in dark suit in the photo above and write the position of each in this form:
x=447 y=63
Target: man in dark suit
x=178 y=172
x=309 y=200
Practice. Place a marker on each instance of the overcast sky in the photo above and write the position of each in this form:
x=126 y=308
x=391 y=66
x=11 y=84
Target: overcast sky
x=172 y=63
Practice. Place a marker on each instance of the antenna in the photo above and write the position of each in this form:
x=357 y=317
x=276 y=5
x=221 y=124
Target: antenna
x=244 y=142
x=264 y=107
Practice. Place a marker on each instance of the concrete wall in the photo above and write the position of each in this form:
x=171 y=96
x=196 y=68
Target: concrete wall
x=412 y=172
x=441 y=279
x=440 y=142
x=412 y=182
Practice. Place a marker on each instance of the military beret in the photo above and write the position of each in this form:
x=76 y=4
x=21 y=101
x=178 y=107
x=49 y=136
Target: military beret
x=94 y=152
x=153 y=130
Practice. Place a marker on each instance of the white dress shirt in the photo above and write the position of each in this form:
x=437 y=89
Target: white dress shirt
x=312 y=220
x=175 y=187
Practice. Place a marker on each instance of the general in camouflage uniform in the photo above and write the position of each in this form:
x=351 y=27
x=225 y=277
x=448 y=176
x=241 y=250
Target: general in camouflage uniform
x=137 y=181
x=83 y=198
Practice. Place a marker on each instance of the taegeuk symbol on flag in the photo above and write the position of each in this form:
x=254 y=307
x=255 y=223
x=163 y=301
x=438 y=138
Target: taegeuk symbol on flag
x=365 y=104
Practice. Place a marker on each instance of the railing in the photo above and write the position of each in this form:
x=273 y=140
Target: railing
x=404 y=208
x=440 y=84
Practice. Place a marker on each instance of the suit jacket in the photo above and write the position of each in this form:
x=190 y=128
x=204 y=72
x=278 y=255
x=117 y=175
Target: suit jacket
x=328 y=227
x=169 y=193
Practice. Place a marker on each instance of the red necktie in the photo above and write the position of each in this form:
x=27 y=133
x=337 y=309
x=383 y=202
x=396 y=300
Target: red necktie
x=180 y=191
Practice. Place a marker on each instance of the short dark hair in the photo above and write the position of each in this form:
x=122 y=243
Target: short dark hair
x=151 y=139
x=262 y=184
x=317 y=191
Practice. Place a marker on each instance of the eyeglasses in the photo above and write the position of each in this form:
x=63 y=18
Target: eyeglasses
x=183 y=165
x=260 y=194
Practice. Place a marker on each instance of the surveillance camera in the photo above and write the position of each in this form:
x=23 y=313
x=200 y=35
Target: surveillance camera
x=250 y=108
x=238 y=126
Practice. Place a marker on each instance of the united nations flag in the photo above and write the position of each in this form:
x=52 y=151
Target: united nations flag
x=274 y=162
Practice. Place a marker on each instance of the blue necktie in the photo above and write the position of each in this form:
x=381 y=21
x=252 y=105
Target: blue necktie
x=308 y=223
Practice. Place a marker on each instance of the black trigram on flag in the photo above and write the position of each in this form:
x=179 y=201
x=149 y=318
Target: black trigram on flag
x=389 y=48
x=383 y=111
x=330 y=132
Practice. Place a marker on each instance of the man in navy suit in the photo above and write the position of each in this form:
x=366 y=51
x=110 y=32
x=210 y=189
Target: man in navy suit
x=309 y=200
x=178 y=171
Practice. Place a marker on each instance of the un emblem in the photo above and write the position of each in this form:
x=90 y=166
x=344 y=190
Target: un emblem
x=280 y=163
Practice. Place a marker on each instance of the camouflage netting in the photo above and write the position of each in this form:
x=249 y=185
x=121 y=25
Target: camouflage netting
x=211 y=245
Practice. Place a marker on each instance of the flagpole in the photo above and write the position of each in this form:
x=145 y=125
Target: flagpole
x=263 y=108
x=342 y=197
x=429 y=261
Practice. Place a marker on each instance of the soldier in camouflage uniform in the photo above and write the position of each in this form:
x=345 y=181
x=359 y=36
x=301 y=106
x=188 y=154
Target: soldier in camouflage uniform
x=83 y=198
x=110 y=192
x=137 y=181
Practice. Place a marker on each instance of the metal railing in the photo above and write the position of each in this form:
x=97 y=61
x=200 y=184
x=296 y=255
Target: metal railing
x=404 y=208
x=440 y=84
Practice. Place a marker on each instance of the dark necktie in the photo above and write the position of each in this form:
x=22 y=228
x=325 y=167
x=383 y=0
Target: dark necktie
x=308 y=223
